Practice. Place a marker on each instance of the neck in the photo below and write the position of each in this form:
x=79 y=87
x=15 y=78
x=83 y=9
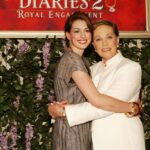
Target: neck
x=105 y=60
x=78 y=51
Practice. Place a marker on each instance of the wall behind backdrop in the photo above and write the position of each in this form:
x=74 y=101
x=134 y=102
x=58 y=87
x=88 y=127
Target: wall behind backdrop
x=26 y=78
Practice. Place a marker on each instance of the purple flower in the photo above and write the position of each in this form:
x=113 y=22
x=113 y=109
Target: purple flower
x=13 y=135
x=23 y=48
x=3 y=141
x=46 y=54
x=51 y=98
x=17 y=103
x=40 y=82
x=40 y=86
x=29 y=135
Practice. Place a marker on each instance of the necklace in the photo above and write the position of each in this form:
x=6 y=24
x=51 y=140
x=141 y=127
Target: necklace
x=111 y=7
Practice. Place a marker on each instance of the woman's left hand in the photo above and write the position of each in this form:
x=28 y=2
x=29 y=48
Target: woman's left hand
x=56 y=109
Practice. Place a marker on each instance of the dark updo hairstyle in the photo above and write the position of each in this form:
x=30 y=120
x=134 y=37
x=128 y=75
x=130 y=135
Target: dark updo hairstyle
x=77 y=15
x=108 y=23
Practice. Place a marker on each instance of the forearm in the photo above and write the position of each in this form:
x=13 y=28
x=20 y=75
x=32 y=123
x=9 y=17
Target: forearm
x=84 y=112
x=112 y=104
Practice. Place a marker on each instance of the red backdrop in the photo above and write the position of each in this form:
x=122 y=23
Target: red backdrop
x=130 y=15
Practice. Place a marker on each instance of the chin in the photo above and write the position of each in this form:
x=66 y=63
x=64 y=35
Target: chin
x=84 y=47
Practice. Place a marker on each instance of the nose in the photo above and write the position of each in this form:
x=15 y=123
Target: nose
x=104 y=42
x=83 y=34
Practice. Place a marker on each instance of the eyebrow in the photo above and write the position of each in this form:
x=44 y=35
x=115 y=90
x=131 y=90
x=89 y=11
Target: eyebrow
x=80 y=28
x=98 y=36
x=106 y=34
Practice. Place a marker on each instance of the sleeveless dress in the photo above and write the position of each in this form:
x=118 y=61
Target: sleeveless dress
x=65 y=137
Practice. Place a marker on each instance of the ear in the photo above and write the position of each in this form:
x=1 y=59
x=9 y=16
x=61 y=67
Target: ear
x=68 y=35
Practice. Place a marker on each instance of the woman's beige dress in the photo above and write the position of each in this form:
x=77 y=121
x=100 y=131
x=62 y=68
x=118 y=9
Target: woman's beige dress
x=65 y=137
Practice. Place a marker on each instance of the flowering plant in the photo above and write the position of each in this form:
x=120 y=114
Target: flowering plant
x=26 y=79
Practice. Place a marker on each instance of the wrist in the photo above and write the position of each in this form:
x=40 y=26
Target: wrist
x=63 y=113
x=134 y=109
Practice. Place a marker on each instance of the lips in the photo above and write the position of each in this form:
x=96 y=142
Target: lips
x=106 y=49
x=82 y=41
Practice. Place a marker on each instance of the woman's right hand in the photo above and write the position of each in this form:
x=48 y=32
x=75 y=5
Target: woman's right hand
x=135 y=109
